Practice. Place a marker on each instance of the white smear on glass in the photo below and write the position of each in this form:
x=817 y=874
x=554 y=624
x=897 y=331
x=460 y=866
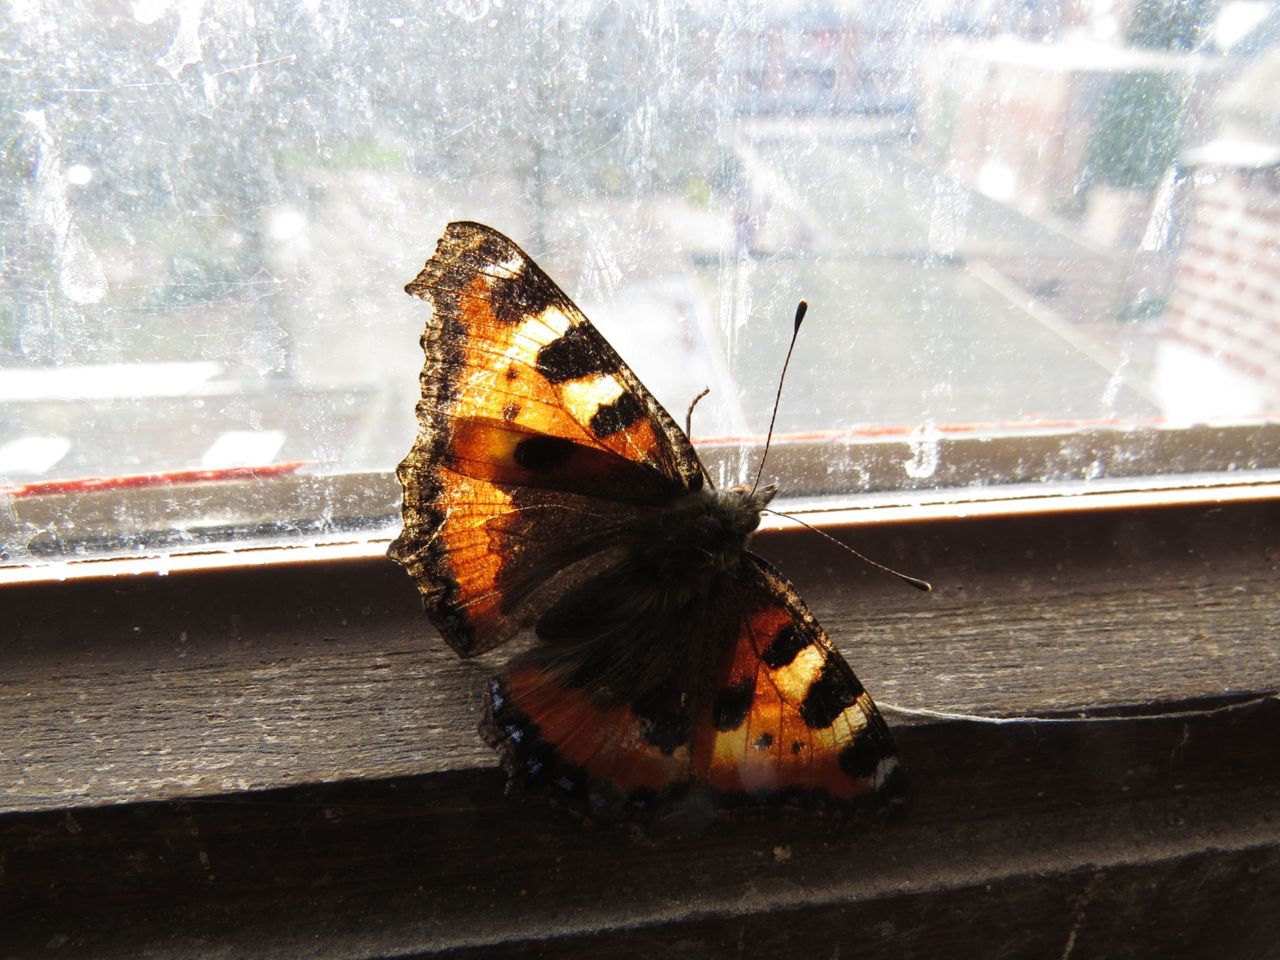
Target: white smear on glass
x=185 y=49
x=742 y=298
x=468 y=10
x=32 y=456
x=1237 y=20
x=243 y=448
x=925 y=451
x=212 y=89
x=602 y=275
x=1114 y=383
x=149 y=11
x=734 y=300
x=100 y=381
x=80 y=274
x=1156 y=235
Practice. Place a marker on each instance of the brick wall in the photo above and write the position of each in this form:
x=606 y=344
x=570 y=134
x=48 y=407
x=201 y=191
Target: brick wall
x=1219 y=351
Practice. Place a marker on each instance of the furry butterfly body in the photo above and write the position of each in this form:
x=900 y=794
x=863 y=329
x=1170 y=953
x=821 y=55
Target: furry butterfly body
x=547 y=489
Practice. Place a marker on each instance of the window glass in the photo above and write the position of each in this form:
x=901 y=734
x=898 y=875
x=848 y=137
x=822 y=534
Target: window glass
x=1008 y=218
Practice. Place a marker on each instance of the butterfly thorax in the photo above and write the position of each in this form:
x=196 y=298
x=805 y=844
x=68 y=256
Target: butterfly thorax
x=673 y=562
x=700 y=537
x=659 y=612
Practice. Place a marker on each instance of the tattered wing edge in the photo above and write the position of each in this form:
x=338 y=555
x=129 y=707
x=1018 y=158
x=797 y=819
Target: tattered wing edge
x=416 y=548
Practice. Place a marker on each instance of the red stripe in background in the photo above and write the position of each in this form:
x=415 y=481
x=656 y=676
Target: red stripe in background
x=136 y=481
x=176 y=477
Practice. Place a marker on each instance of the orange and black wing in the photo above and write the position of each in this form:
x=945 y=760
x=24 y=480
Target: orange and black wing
x=776 y=716
x=787 y=719
x=537 y=446
x=605 y=760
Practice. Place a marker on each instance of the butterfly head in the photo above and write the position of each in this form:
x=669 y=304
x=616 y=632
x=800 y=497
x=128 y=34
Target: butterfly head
x=761 y=496
x=735 y=513
x=743 y=506
x=710 y=528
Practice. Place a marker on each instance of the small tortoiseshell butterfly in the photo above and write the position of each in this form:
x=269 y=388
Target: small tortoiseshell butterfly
x=548 y=489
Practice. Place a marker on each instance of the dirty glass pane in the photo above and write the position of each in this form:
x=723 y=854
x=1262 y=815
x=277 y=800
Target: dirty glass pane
x=1006 y=217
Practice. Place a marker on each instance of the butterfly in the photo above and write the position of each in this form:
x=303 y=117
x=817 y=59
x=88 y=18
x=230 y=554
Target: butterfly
x=548 y=489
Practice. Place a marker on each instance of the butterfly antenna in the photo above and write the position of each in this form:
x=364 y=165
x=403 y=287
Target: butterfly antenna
x=688 y=417
x=916 y=582
x=801 y=309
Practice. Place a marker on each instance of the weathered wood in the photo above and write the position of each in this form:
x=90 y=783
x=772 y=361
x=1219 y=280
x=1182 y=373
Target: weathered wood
x=1114 y=837
x=1110 y=838
x=198 y=684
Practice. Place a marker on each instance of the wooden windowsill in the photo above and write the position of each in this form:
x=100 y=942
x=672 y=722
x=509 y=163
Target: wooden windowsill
x=265 y=760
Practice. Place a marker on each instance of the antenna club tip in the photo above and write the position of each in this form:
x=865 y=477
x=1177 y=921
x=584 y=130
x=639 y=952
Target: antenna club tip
x=801 y=309
x=924 y=586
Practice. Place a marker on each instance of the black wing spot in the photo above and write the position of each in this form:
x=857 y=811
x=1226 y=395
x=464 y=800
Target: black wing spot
x=543 y=453
x=859 y=758
x=796 y=746
x=786 y=645
x=764 y=741
x=579 y=352
x=512 y=372
x=492 y=247
x=510 y=412
x=513 y=299
x=611 y=418
x=665 y=718
x=835 y=689
x=733 y=703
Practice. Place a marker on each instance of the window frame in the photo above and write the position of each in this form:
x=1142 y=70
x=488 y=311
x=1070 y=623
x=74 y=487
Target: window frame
x=257 y=516
x=1156 y=808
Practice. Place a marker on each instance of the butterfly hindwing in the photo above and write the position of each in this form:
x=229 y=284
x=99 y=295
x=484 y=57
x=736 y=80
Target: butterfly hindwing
x=786 y=716
x=603 y=759
x=530 y=425
x=774 y=713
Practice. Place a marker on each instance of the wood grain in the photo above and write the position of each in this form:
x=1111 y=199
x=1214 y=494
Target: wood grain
x=283 y=763
x=1087 y=838
x=198 y=684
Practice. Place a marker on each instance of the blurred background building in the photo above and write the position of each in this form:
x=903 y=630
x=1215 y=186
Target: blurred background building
x=1004 y=212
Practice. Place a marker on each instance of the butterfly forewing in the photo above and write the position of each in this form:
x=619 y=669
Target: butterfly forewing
x=528 y=419
x=510 y=347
